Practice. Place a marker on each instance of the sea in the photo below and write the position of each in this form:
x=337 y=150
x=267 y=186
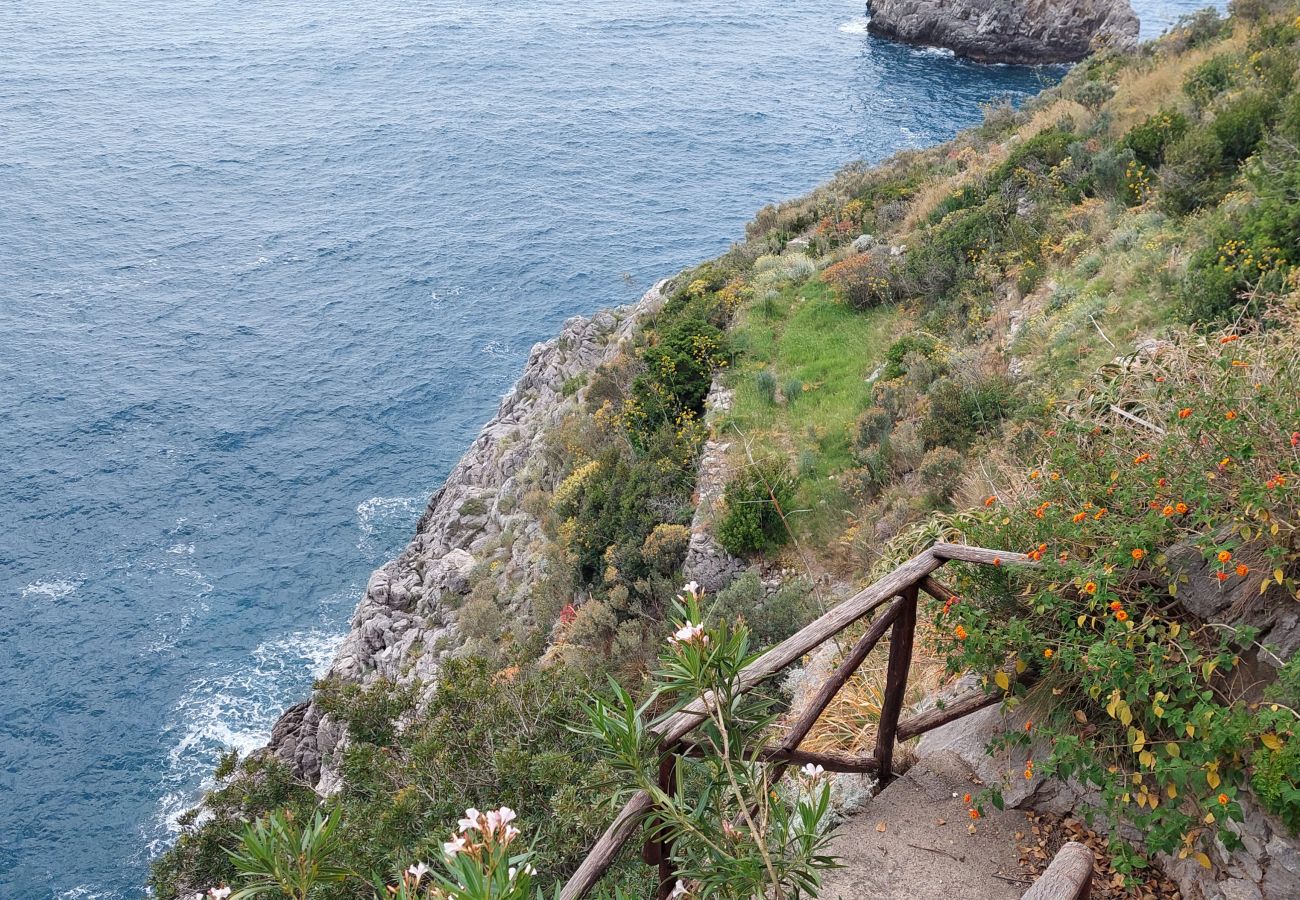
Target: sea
x=265 y=268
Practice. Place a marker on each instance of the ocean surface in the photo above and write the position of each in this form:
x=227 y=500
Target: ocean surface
x=265 y=268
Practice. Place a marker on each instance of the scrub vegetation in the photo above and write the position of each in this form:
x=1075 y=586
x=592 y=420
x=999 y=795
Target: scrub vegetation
x=1072 y=332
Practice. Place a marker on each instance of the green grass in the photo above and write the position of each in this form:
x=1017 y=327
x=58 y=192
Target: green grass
x=807 y=334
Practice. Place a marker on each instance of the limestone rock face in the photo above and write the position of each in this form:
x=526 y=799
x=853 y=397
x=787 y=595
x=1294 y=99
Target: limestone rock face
x=1009 y=31
x=475 y=528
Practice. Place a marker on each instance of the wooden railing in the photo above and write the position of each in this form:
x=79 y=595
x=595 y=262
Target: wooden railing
x=899 y=589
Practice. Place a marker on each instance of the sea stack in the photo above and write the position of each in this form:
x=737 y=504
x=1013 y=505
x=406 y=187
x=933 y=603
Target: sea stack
x=1031 y=32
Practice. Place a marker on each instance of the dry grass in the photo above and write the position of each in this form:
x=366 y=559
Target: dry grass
x=849 y=724
x=1061 y=110
x=1144 y=88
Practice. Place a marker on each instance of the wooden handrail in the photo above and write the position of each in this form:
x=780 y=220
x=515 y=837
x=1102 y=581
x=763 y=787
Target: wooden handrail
x=904 y=583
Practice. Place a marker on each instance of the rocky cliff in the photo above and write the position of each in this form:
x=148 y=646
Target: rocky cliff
x=475 y=528
x=1009 y=31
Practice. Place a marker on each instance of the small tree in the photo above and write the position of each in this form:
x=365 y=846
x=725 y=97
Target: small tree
x=736 y=835
x=278 y=857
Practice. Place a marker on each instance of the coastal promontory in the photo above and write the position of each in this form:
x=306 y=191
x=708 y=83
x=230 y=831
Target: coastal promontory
x=1032 y=32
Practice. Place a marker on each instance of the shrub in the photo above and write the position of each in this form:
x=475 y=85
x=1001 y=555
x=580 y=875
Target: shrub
x=792 y=389
x=1145 y=703
x=1149 y=138
x=872 y=427
x=1192 y=175
x=927 y=345
x=755 y=502
x=665 y=547
x=1241 y=123
x=1210 y=79
x=771 y=618
x=1093 y=94
x=780 y=848
x=940 y=472
x=1198 y=29
x=864 y=280
x=961 y=412
x=369 y=712
x=765 y=384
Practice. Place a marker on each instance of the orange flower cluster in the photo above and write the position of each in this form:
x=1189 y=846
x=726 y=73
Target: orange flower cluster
x=1029 y=770
x=1230 y=415
x=1277 y=481
x=1042 y=508
x=1185 y=412
x=1037 y=553
x=990 y=500
x=1141 y=458
x=1048 y=653
x=1090 y=587
x=1228 y=339
x=1137 y=553
x=961 y=633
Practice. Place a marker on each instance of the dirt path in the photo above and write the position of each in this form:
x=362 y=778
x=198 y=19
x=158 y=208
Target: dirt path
x=926 y=850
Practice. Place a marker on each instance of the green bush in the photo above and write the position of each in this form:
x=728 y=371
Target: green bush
x=1149 y=138
x=1241 y=123
x=771 y=618
x=755 y=502
x=1093 y=94
x=792 y=389
x=961 y=412
x=914 y=342
x=1211 y=78
x=765 y=384
x=369 y=712
x=872 y=427
x=940 y=472
x=1193 y=174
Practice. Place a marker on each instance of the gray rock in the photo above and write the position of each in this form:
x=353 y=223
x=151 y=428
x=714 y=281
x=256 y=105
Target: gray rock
x=1009 y=31
x=400 y=631
x=863 y=242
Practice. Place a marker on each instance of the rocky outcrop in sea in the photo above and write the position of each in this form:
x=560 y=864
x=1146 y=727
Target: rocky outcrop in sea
x=1032 y=32
x=475 y=528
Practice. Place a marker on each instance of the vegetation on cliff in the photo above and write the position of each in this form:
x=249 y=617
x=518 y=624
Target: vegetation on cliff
x=1072 y=331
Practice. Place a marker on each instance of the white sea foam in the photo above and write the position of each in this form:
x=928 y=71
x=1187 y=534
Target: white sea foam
x=232 y=708
x=856 y=25
x=86 y=892
x=383 y=513
x=53 y=589
x=940 y=52
x=496 y=348
x=181 y=549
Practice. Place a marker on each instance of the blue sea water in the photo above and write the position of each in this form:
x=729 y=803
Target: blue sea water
x=267 y=265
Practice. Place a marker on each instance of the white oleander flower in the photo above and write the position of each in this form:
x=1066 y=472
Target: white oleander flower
x=454 y=846
x=219 y=893
x=691 y=587
x=679 y=890
x=418 y=871
x=470 y=821
x=690 y=633
x=499 y=818
x=811 y=771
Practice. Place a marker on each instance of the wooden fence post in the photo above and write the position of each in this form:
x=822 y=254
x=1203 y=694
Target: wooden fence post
x=900 y=661
x=664 y=850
